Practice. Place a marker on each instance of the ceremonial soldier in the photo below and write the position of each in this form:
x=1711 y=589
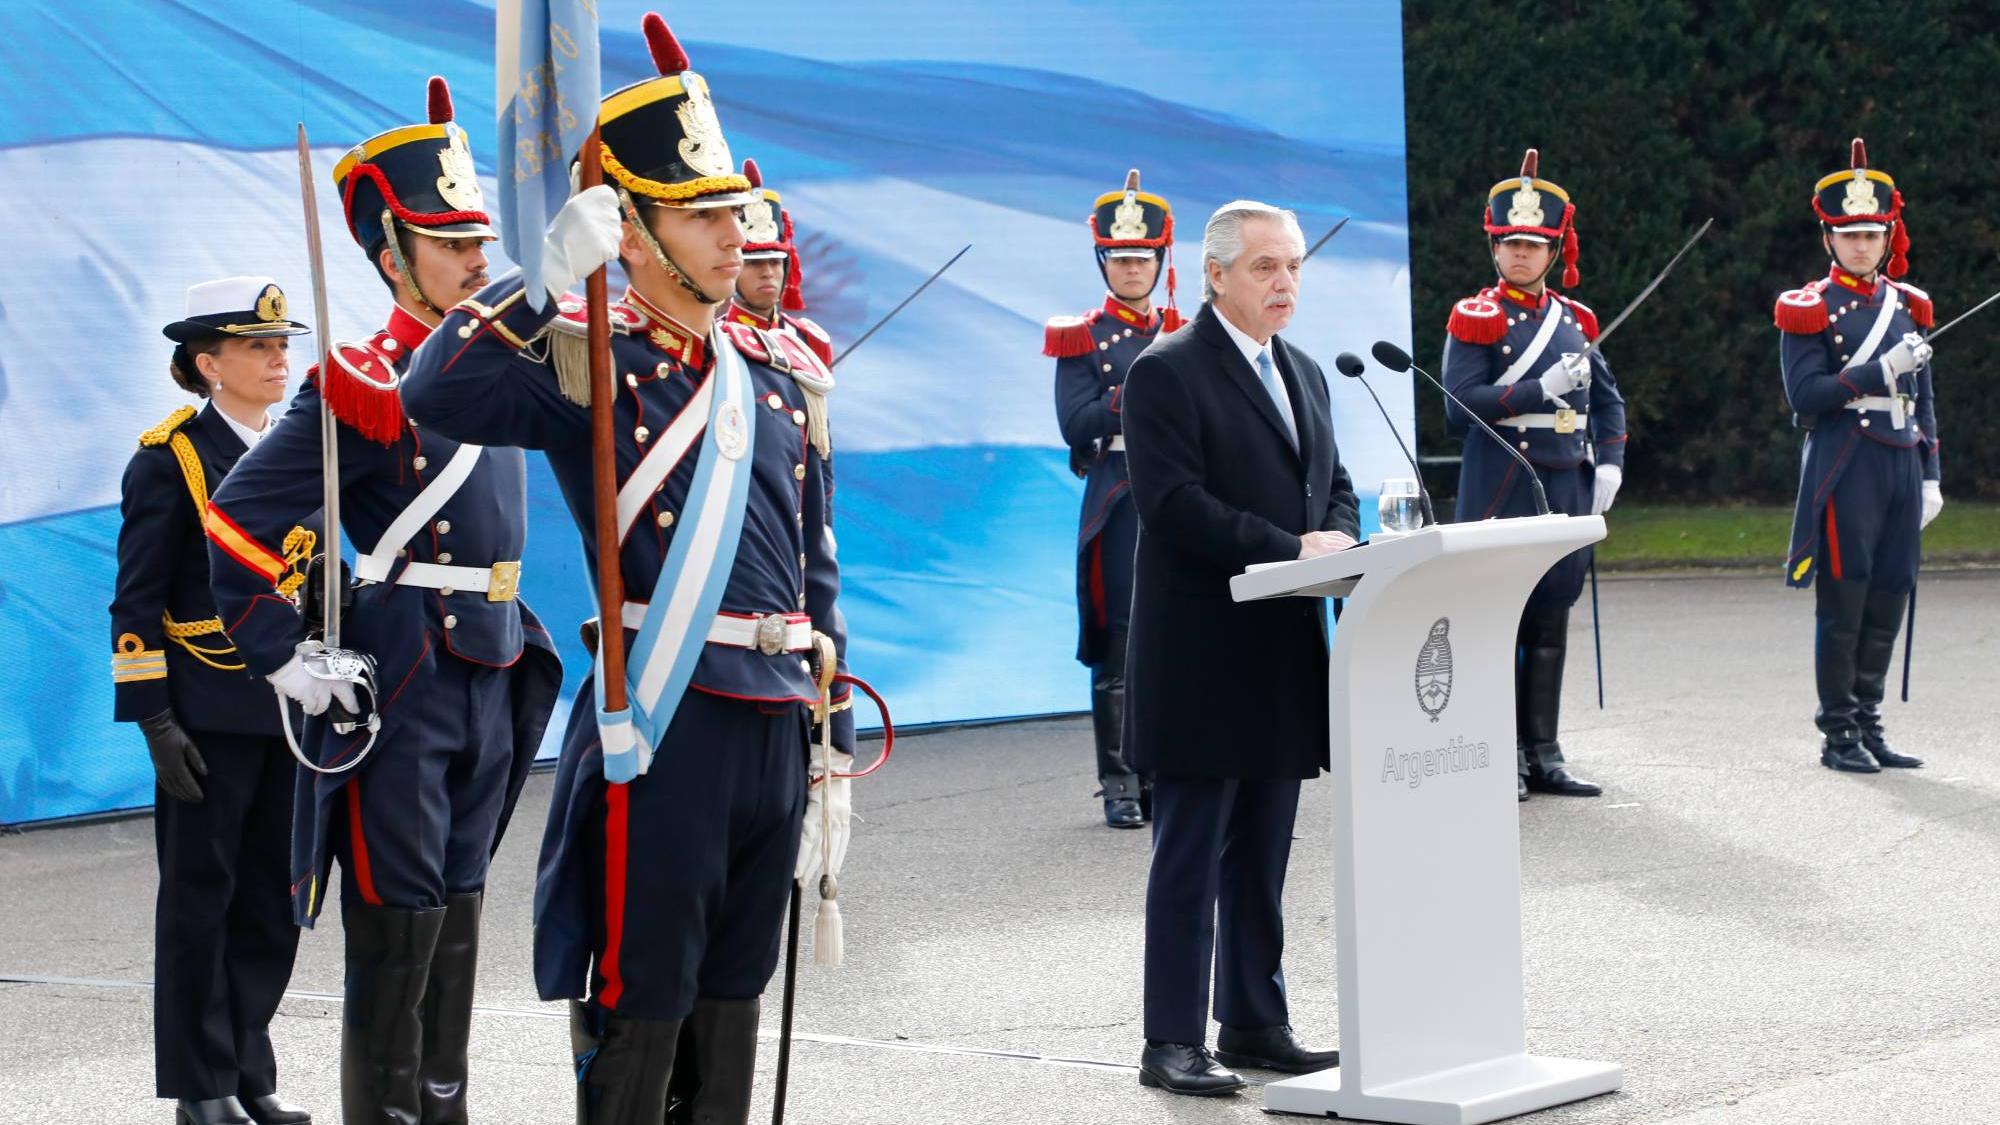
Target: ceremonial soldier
x=1134 y=233
x=769 y=292
x=223 y=941
x=675 y=829
x=1858 y=377
x=466 y=675
x=1522 y=356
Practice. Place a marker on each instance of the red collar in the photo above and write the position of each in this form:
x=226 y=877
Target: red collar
x=1506 y=291
x=1848 y=281
x=1119 y=310
x=667 y=334
x=408 y=331
x=740 y=313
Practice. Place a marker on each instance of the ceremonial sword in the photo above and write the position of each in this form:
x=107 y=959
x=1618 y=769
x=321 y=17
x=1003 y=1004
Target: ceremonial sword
x=329 y=428
x=891 y=315
x=1325 y=238
x=1605 y=334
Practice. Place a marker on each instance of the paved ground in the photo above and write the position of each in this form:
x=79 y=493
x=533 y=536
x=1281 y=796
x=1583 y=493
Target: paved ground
x=1757 y=939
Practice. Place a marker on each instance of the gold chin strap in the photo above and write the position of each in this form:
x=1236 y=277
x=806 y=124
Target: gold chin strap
x=403 y=270
x=631 y=208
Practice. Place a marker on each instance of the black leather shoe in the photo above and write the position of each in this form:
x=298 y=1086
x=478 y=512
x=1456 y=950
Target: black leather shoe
x=1123 y=812
x=1271 y=1048
x=270 y=1109
x=1522 y=778
x=210 y=1111
x=1888 y=759
x=1847 y=756
x=1563 y=783
x=1179 y=1068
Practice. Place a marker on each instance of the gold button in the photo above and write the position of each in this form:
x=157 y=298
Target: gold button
x=451 y=621
x=802 y=562
x=1107 y=368
x=420 y=464
x=444 y=527
x=799 y=472
x=446 y=591
x=1524 y=447
x=640 y=434
x=806 y=667
x=774 y=402
x=663 y=370
x=666 y=519
x=631 y=378
x=1506 y=349
x=444 y=557
x=465 y=331
x=798 y=417
x=1864 y=423
x=1104 y=346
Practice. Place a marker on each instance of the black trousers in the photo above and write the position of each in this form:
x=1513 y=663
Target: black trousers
x=1220 y=848
x=223 y=938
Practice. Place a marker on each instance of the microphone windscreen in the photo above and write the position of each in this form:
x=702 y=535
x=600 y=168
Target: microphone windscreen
x=1390 y=356
x=1348 y=364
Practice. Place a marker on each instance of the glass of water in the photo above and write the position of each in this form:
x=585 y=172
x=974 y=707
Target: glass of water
x=1397 y=506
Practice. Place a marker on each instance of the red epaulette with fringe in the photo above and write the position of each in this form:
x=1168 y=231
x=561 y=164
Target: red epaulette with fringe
x=1478 y=320
x=1919 y=303
x=573 y=317
x=755 y=345
x=1802 y=312
x=365 y=389
x=1066 y=337
x=1586 y=317
x=814 y=336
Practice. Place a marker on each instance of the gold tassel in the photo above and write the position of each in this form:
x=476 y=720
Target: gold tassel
x=818 y=427
x=570 y=356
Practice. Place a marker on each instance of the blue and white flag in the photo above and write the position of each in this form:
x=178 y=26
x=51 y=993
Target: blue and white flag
x=545 y=70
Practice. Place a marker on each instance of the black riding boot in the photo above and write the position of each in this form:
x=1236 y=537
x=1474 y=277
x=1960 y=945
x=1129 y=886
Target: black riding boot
x=382 y=1034
x=1838 y=611
x=1881 y=620
x=1544 y=640
x=719 y=1077
x=1122 y=787
x=622 y=1065
x=448 y=1011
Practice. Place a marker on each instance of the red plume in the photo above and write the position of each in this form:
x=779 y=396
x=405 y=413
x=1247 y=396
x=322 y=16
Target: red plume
x=667 y=53
x=1859 y=154
x=1899 y=243
x=751 y=173
x=440 y=99
x=1132 y=180
x=1531 y=164
x=794 y=296
x=1570 y=245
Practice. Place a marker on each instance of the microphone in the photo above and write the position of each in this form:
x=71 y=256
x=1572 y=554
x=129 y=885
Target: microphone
x=1348 y=364
x=1396 y=359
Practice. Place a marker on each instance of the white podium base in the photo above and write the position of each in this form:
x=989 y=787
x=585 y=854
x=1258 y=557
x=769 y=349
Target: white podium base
x=1468 y=1095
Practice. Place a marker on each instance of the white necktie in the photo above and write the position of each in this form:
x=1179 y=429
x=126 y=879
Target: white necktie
x=1279 y=398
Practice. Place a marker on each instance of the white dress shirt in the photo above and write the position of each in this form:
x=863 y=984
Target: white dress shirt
x=250 y=437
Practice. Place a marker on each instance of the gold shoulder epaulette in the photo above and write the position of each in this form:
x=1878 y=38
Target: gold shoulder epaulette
x=159 y=434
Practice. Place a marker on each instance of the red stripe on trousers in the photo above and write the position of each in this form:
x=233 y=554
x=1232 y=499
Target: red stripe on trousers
x=615 y=814
x=1097 y=581
x=1832 y=542
x=357 y=850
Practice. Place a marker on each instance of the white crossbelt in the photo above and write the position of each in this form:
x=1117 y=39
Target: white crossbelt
x=744 y=631
x=1115 y=444
x=375 y=565
x=1897 y=407
x=1541 y=421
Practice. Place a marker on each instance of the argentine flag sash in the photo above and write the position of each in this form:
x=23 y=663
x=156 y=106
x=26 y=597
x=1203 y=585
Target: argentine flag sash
x=689 y=591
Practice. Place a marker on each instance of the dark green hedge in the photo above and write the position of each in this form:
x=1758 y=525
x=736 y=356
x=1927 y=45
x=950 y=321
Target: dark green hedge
x=1656 y=114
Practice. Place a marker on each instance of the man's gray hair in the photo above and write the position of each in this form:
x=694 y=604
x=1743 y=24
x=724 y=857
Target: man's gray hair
x=1222 y=241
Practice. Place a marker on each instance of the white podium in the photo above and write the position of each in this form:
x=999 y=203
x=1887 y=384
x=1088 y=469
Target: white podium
x=1427 y=855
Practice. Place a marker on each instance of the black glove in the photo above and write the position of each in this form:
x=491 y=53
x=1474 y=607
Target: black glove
x=176 y=762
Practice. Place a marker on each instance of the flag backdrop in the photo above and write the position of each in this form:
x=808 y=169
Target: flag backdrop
x=145 y=146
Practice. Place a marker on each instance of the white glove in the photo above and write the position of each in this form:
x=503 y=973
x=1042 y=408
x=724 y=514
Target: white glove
x=310 y=692
x=1933 y=502
x=1908 y=355
x=1569 y=375
x=583 y=236
x=1605 y=488
x=828 y=804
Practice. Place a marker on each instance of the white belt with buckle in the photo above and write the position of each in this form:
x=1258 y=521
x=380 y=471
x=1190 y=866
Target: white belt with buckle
x=500 y=582
x=768 y=633
x=1897 y=407
x=1115 y=444
x=1562 y=421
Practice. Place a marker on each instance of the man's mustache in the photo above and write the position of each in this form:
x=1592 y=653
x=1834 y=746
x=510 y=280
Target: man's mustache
x=1276 y=299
